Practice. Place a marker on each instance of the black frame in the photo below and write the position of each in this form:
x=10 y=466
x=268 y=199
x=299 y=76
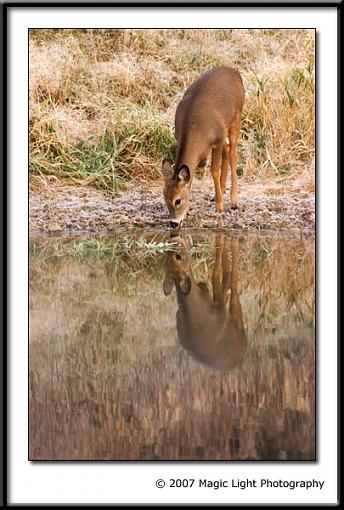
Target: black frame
x=4 y=8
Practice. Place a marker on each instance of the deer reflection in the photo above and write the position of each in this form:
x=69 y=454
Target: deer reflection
x=209 y=327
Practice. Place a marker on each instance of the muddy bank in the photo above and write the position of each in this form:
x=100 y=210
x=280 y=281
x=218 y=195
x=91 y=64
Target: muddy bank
x=263 y=206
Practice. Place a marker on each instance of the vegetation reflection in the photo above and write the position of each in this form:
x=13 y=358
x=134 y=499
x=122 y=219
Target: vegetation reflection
x=113 y=373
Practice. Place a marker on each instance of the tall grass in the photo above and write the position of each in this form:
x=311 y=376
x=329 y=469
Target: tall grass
x=102 y=102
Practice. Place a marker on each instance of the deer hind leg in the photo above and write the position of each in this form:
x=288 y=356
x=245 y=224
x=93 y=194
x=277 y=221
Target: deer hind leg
x=233 y=158
x=215 y=172
x=224 y=165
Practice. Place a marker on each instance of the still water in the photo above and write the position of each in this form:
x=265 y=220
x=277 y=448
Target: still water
x=193 y=348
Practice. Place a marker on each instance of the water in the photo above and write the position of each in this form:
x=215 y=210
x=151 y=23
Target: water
x=151 y=348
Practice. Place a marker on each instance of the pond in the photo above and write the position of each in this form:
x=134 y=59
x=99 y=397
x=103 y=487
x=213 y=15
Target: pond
x=146 y=347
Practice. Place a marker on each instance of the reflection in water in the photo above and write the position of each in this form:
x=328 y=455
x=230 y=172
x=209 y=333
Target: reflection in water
x=114 y=374
x=208 y=328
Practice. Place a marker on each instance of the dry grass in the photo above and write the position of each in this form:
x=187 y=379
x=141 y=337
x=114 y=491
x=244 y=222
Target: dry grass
x=102 y=102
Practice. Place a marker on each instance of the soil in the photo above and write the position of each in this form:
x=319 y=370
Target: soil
x=266 y=205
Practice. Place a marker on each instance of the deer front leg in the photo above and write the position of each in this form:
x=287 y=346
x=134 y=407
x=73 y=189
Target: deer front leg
x=215 y=172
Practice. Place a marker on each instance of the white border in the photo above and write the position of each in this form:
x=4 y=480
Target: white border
x=134 y=482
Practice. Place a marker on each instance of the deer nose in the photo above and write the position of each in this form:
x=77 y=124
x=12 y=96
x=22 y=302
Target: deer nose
x=173 y=224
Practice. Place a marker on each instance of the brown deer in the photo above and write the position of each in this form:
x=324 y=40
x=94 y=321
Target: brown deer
x=210 y=330
x=207 y=118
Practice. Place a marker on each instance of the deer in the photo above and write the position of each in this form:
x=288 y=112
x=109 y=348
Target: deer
x=209 y=327
x=207 y=119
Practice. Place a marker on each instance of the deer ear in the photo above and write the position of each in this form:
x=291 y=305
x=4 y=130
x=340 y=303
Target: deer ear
x=167 y=170
x=167 y=286
x=183 y=174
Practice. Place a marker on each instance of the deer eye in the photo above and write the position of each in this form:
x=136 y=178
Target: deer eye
x=177 y=202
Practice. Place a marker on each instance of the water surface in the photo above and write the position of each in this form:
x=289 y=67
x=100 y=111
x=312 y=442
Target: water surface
x=151 y=348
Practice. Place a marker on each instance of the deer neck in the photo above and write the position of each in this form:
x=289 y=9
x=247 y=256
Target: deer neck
x=189 y=153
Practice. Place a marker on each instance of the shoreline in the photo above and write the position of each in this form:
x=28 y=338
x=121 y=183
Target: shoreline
x=264 y=206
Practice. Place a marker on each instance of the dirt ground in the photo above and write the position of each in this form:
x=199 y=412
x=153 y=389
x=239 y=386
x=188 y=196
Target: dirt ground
x=267 y=205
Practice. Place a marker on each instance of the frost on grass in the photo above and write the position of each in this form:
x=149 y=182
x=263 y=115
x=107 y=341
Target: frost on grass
x=102 y=102
x=72 y=209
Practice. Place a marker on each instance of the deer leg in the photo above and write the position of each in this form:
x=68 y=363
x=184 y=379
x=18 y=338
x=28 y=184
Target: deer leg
x=224 y=165
x=233 y=158
x=215 y=172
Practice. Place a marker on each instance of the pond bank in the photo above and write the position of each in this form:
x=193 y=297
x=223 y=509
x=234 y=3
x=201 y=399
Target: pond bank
x=264 y=205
